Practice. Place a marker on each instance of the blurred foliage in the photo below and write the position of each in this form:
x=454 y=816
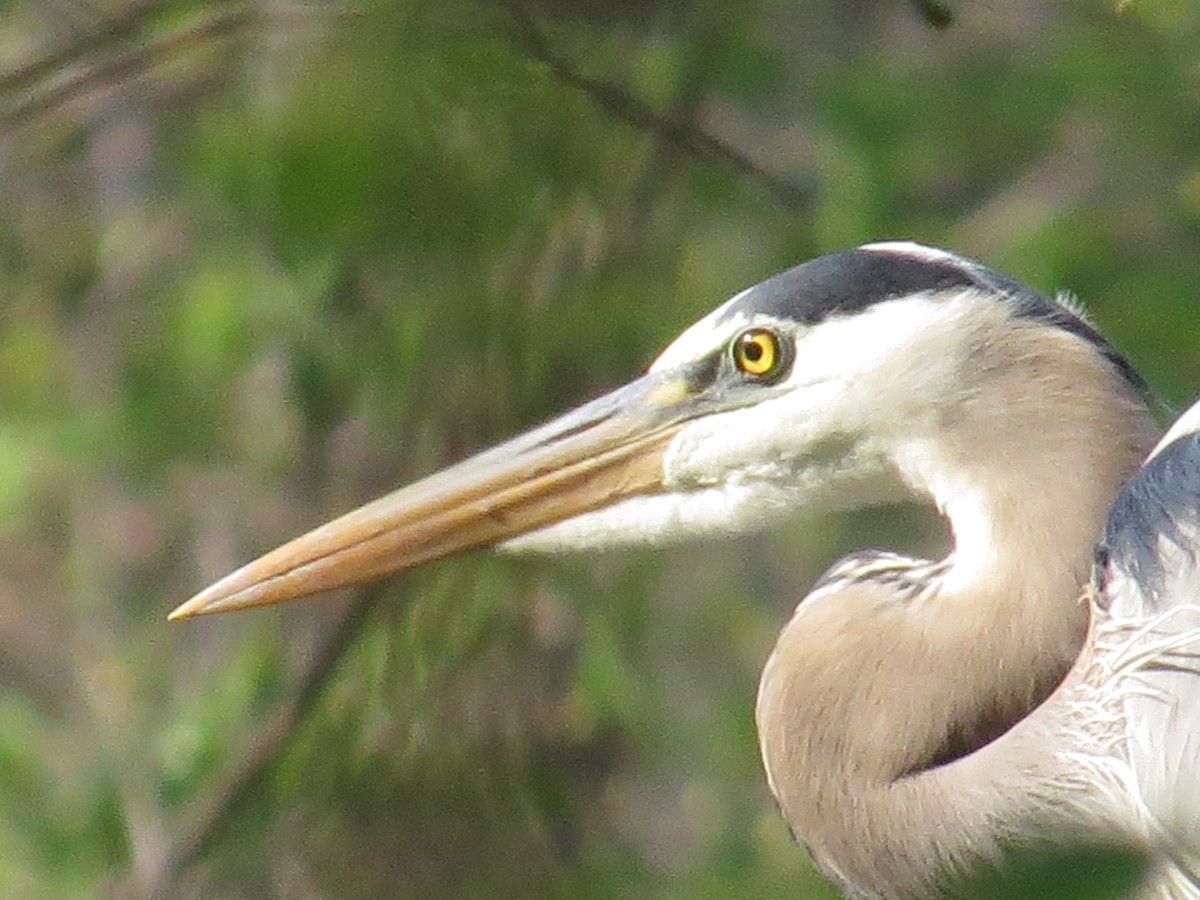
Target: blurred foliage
x=262 y=260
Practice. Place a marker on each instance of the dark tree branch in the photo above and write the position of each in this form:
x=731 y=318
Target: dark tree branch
x=213 y=815
x=122 y=66
x=119 y=51
x=937 y=14
x=618 y=102
x=114 y=30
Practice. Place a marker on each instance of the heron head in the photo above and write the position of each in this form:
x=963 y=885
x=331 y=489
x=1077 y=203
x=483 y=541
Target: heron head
x=794 y=394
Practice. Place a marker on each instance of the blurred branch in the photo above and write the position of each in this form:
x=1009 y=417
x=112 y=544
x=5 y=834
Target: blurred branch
x=937 y=14
x=229 y=794
x=125 y=65
x=119 y=49
x=112 y=31
x=617 y=101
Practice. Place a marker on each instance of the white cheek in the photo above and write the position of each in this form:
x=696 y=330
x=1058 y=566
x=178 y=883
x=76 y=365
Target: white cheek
x=876 y=342
x=725 y=509
x=718 y=479
x=808 y=460
x=763 y=442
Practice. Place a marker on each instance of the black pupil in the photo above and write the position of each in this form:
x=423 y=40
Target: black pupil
x=752 y=350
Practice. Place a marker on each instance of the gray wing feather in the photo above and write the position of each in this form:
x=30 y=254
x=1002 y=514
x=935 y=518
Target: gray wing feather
x=1148 y=581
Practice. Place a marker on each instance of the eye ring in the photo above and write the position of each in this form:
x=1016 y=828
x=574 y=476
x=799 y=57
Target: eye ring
x=759 y=353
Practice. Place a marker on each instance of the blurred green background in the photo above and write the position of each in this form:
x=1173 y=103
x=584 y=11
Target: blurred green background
x=263 y=260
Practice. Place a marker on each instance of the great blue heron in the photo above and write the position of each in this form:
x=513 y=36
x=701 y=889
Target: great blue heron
x=920 y=722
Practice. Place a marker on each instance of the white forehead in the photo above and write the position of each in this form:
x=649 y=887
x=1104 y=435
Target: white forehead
x=704 y=336
x=722 y=324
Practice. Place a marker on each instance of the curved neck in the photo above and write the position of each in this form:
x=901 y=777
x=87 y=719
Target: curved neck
x=879 y=708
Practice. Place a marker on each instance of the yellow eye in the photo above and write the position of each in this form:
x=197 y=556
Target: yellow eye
x=757 y=352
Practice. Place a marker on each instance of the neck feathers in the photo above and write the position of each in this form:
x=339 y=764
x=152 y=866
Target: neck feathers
x=874 y=697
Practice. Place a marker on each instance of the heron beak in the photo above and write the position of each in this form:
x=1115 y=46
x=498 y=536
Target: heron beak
x=604 y=451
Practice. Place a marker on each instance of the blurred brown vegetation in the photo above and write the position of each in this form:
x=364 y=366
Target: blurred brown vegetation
x=261 y=260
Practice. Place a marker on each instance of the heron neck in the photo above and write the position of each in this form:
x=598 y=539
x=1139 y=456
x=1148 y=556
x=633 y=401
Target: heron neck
x=881 y=715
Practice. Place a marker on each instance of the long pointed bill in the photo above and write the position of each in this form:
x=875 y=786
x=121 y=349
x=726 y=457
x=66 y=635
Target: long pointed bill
x=604 y=451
